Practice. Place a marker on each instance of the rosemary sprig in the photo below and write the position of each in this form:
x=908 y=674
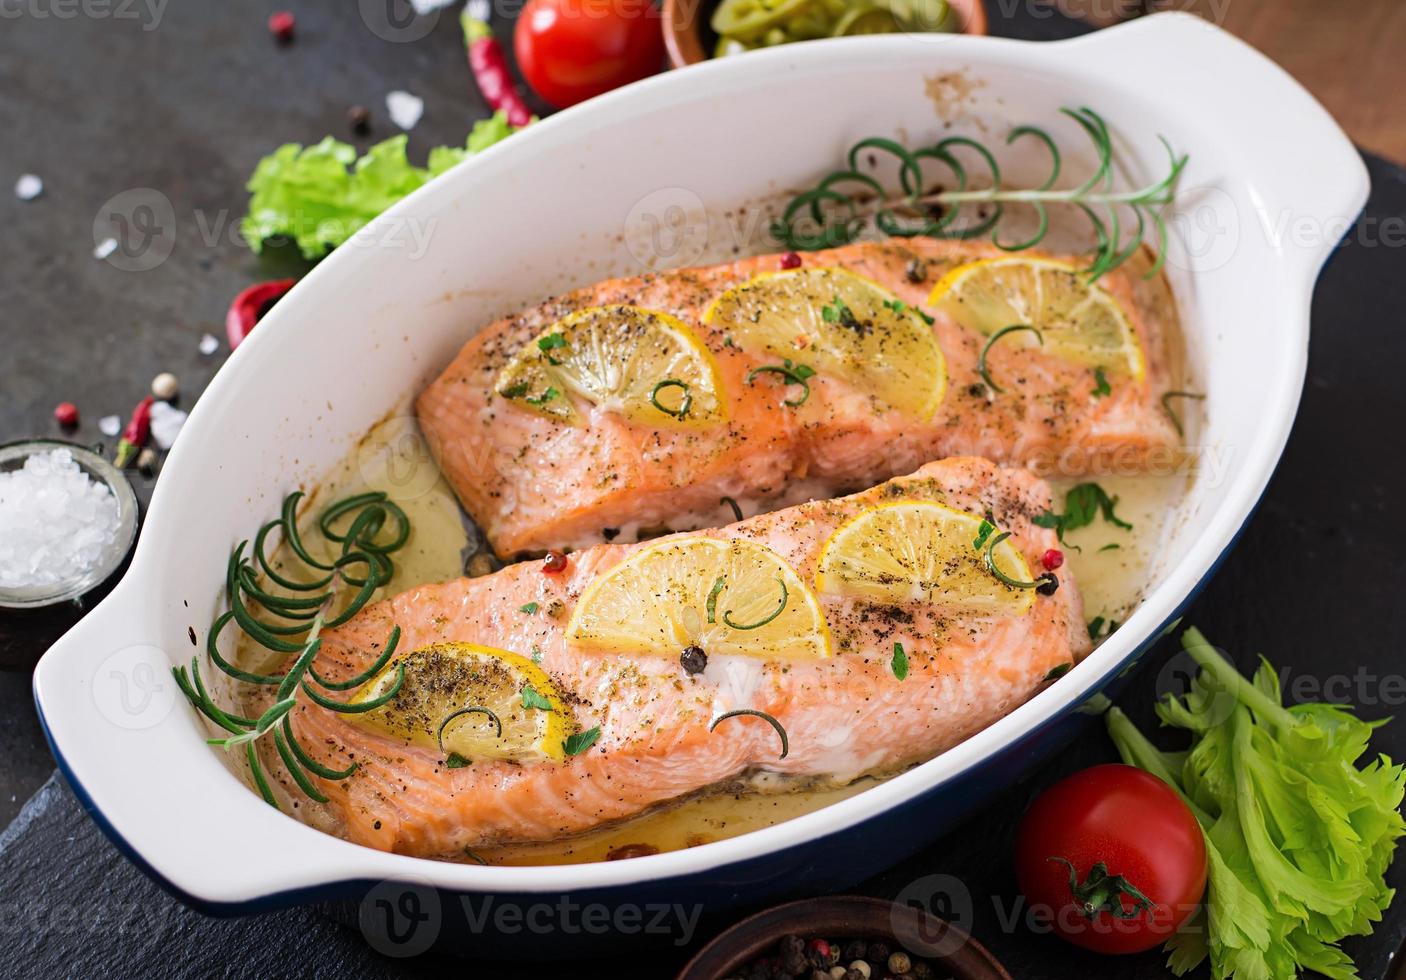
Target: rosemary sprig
x=1004 y=331
x=848 y=201
x=368 y=527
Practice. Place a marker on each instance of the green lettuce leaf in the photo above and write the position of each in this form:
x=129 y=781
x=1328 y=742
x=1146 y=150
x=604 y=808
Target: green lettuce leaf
x=1298 y=837
x=321 y=195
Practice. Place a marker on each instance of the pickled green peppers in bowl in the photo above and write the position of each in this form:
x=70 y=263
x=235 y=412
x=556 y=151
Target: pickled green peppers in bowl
x=742 y=25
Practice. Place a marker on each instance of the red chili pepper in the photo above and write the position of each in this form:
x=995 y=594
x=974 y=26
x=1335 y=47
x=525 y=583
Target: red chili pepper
x=281 y=25
x=554 y=562
x=66 y=414
x=138 y=430
x=1052 y=559
x=250 y=306
x=490 y=68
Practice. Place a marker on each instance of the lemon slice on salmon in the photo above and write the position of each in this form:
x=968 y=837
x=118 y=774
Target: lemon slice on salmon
x=839 y=324
x=919 y=551
x=470 y=702
x=644 y=364
x=727 y=597
x=1077 y=320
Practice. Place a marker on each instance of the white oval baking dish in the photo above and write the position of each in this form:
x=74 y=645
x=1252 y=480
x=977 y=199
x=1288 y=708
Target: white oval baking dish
x=1271 y=185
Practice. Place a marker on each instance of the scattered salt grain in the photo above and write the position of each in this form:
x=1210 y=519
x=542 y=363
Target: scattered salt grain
x=110 y=425
x=405 y=109
x=55 y=521
x=105 y=248
x=166 y=424
x=28 y=187
x=208 y=344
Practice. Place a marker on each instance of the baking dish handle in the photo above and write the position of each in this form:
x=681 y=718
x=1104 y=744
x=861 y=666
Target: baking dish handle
x=1309 y=181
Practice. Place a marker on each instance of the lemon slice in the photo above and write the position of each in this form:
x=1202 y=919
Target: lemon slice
x=838 y=323
x=468 y=701
x=727 y=597
x=646 y=365
x=1077 y=319
x=918 y=551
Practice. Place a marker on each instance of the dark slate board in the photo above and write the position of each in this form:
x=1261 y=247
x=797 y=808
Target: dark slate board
x=188 y=107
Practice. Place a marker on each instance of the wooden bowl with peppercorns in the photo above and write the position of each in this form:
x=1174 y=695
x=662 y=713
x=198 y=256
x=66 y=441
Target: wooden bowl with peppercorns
x=849 y=937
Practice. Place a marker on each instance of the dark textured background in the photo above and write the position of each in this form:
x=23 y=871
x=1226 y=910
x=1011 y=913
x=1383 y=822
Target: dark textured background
x=100 y=105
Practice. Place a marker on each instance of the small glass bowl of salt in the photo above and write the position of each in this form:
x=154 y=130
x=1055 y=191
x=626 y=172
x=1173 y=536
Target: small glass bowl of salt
x=68 y=517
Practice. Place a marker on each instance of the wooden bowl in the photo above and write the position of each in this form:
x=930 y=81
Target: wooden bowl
x=952 y=951
x=685 y=22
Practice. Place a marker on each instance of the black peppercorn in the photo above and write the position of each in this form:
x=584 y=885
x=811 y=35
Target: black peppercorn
x=695 y=661
x=856 y=949
x=1049 y=584
x=879 y=954
x=359 y=119
x=916 y=271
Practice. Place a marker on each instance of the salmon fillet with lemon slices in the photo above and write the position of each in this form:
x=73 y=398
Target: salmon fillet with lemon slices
x=831 y=639
x=645 y=401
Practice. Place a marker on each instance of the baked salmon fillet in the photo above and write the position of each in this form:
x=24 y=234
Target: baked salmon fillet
x=848 y=707
x=542 y=463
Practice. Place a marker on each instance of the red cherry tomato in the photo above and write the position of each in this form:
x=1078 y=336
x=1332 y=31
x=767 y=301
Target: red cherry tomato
x=571 y=50
x=1134 y=849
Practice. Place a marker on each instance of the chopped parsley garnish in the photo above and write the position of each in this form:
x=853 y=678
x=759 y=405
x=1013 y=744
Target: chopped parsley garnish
x=545 y=397
x=837 y=311
x=1096 y=627
x=536 y=654
x=899 y=664
x=456 y=761
x=983 y=534
x=581 y=741
x=1111 y=546
x=900 y=307
x=529 y=608
x=1058 y=671
x=1101 y=385
x=515 y=391
x=532 y=700
x=1081 y=505
x=549 y=343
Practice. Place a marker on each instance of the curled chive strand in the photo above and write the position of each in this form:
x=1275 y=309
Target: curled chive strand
x=736 y=509
x=462 y=712
x=845 y=202
x=753 y=713
x=986 y=349
x=368 y=527
x=780 y=608
x=792 y=375
x=1171 y=413
x=684 y=405
x=712 y=604
x=991 y=566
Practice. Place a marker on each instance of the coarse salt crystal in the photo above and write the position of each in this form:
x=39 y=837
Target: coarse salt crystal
x=105 y=248
x=28 y=187
x=166 y=424
x=208 y=344
x=56 y=522
x=405 y=109
x=110 y=425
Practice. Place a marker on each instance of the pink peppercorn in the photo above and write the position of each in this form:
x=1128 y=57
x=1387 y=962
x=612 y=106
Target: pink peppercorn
x=790 y=260
x=66 y=414
x=281 y=25
x=1052 y=559
x=554 y=562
